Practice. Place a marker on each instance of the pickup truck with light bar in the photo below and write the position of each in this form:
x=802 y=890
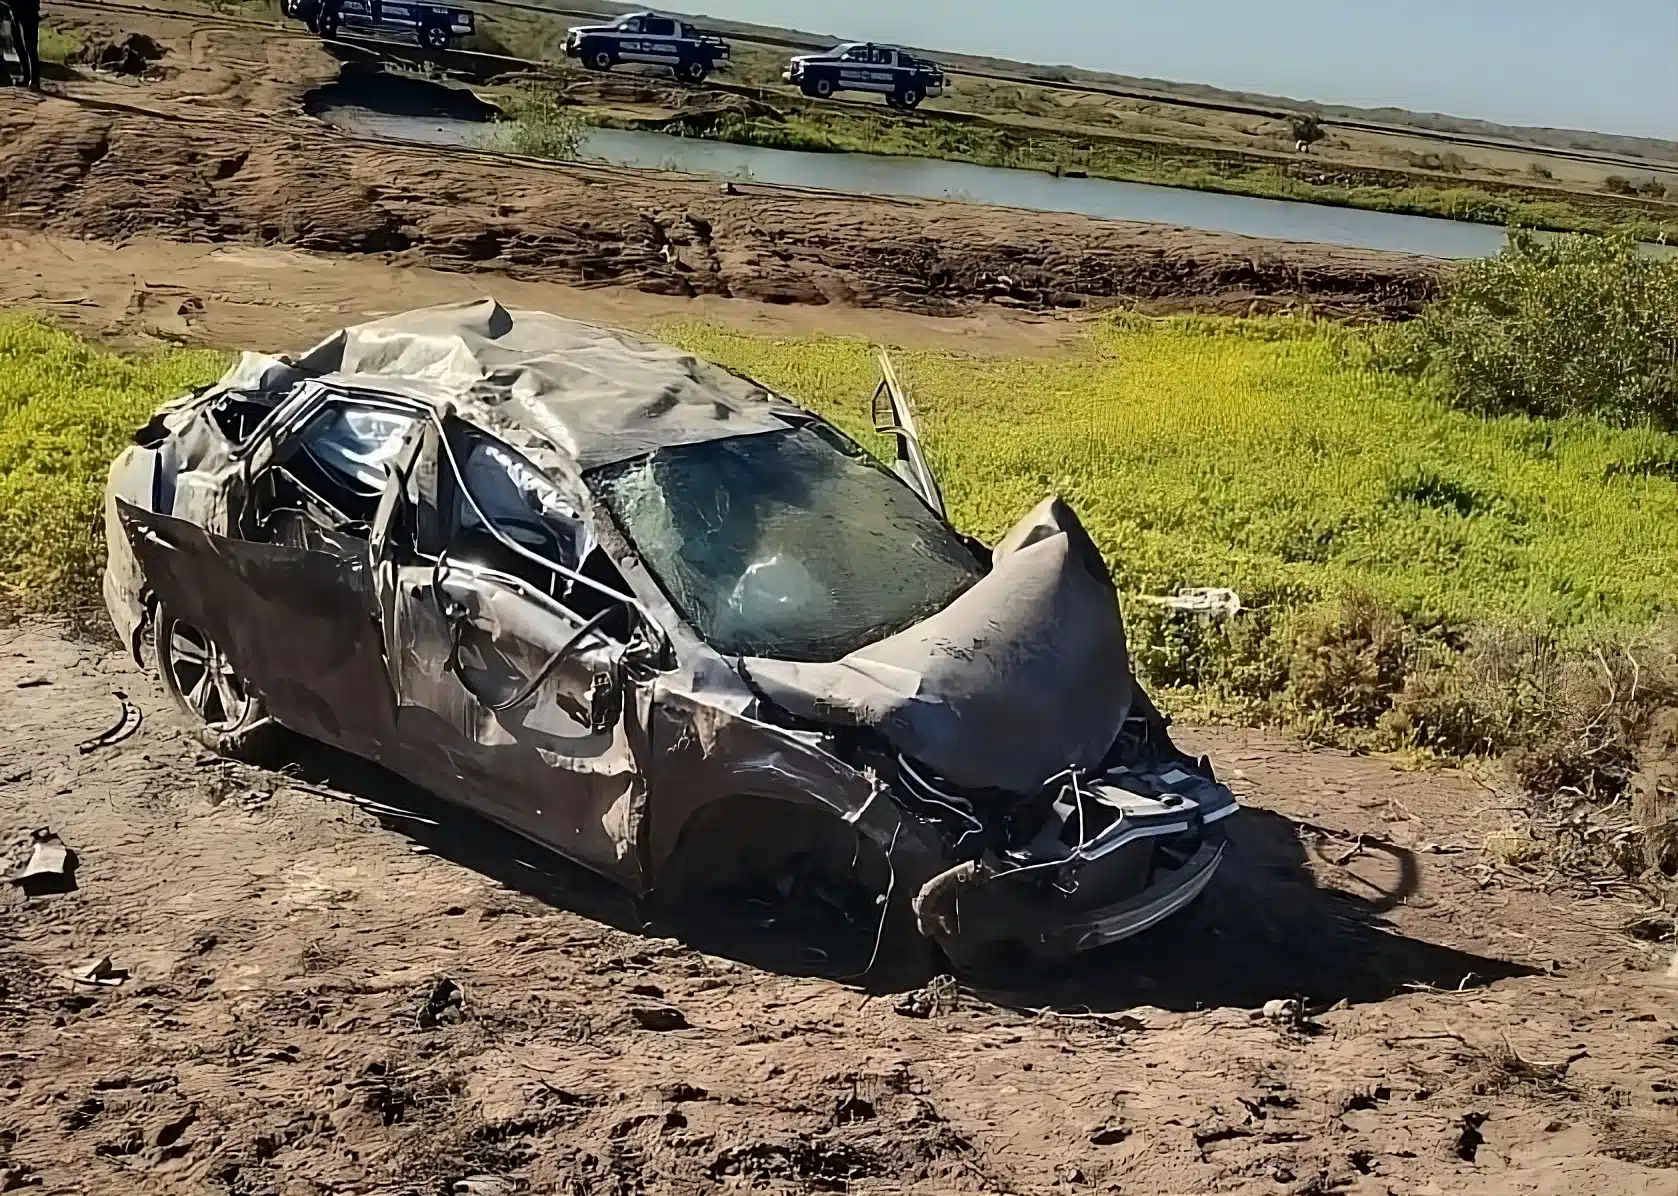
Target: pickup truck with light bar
x=863 y=66
x=649 y=39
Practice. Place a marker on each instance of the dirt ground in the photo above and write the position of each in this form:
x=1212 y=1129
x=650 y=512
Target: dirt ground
x=282 y=300
x=212 y=147
x=333 y=985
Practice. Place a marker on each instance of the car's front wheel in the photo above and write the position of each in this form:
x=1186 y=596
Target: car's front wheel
x=226 y=716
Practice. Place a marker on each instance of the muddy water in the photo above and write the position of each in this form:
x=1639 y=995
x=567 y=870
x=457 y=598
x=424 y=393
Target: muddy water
x=874 y=174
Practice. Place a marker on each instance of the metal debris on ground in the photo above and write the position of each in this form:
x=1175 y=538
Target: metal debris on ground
x=1281 y=1010
x=51 y=867
x=128 y=722
x=940 y=996
x=101 y=973
x=661 y=1018
x=484 y=1185
x=1206 y=601
x=445 y=1003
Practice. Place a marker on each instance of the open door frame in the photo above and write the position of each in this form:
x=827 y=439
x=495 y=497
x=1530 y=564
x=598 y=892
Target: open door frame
x=894 y=416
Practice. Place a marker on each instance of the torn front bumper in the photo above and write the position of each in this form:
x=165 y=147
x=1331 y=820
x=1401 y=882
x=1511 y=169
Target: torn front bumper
x=1152 y=860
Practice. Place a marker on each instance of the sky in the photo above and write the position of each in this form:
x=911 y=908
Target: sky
x=1605 y=65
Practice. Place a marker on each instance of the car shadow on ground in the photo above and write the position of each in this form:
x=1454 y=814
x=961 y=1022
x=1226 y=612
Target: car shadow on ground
x=1264 y=929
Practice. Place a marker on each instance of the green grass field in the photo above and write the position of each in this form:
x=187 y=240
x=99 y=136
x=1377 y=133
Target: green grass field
x=66 y=409
x=1259 y=455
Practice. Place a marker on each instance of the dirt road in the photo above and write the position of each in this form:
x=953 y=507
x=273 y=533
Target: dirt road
x=213 y=147
x=322 y=998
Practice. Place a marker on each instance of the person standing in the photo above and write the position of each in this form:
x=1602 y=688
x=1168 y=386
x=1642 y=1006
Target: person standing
x=26 y=33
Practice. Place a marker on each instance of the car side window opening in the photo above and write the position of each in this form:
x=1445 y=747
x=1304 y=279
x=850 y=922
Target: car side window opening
x=658 y=27
x=331 y=475
x=630 y=24
x=527 y=507
x=856 y=54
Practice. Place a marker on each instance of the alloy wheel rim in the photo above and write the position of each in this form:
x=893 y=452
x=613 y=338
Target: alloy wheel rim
x=203 y=676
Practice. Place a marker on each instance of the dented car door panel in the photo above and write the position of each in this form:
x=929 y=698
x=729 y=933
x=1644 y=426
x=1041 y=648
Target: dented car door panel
x=536 y=766
x=298 y=625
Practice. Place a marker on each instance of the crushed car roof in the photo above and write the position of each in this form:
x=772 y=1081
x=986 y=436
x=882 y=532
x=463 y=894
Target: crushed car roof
x=592 y=395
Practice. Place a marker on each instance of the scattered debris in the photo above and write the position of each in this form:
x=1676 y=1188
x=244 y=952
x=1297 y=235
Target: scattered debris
x=1469 y=1138
x=853 y=1108
x=647 y=990
x=1208 y=602
x=101 y=973
x=446 y=1003
x=133 y=55
x=659 y=1017
x=128 y=722
x=51 y=867
x=34 y=682
x=938 y=997
x=1109 y=1133
x=1286 y=1010
x=484 y=1185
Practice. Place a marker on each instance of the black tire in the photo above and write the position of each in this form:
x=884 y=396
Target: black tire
x=435 y=37
x=694 y=70
x=600 y=59
x=821 y=88
x=909 y=98
x=326 y=24
x=226 y=717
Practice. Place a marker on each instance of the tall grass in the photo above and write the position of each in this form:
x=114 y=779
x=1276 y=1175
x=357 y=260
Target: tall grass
x=537 y=126
x=65 y=410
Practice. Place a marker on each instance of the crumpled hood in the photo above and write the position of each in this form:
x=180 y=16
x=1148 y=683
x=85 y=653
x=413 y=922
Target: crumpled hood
x=1023 y=676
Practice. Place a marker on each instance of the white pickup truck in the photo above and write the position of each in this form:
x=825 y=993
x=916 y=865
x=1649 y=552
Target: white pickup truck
x=863 y=66
x=646 y=37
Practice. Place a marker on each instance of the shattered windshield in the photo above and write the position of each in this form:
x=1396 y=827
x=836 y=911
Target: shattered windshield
x=793 y=544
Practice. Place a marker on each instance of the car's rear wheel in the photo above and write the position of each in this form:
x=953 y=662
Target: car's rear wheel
x=226 y=716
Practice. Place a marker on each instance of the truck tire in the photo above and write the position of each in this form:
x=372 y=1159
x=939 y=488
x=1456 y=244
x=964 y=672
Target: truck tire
x=821 y=88
x=694 y=70
x=434 y=37
x=326 y=24
x=598 y=57
x=908 y=98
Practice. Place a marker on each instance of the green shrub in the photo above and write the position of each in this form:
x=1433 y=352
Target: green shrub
x=1565 y=326
x=538 y=126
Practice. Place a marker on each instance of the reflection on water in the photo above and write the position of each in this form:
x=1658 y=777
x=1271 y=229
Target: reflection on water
x=923 y=178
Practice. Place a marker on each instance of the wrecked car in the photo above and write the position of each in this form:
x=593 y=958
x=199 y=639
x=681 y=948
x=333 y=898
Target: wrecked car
x=665 y=622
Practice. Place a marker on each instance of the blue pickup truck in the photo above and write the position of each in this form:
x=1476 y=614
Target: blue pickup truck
x=432 y=25
x=645 y=37
x=863 y=66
